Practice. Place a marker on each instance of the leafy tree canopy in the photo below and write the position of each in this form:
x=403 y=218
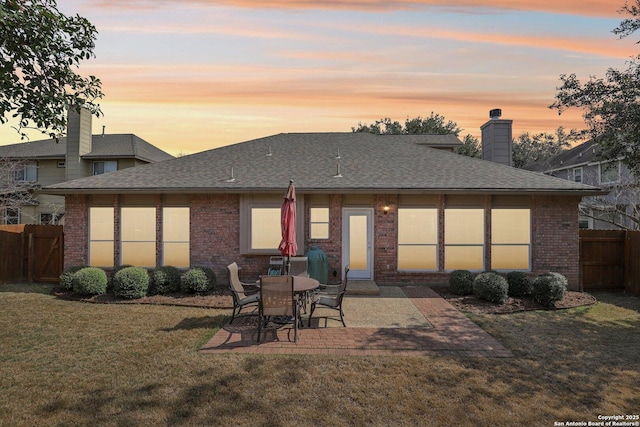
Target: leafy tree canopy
x=529 y=149
x=611 y=104
x=40 y=51
x=435 y=124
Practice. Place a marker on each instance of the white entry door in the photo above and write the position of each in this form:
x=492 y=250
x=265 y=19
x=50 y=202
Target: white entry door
x=357 y=242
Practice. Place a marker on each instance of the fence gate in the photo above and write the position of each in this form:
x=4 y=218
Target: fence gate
x=609 y=260
x=37 y=255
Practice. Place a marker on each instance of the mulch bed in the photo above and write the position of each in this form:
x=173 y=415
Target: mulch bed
x=221 y=298
x=470 y=303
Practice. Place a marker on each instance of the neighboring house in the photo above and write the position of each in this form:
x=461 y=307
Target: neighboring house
x=80 y=154
x=620 y=208
x=395 y=208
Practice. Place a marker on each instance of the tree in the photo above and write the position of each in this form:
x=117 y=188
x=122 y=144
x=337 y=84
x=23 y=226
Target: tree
x=435 y=124
x=611 y=104
x=529 y=149
x=40 y=49
x=470 y=147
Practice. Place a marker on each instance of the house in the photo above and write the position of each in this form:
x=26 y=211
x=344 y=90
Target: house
x=79 y=154
x=620 y=208
x=395 y=208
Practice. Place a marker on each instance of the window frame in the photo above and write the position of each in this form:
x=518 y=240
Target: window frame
x=164 y=241
x=24 y=172
x=12 y=218
x=483 y=245
x=104 y=166
x=435 y=245
x=312 y=222
x=122 y=241
x=512 y=244
x=111 y=240
x=575 y=174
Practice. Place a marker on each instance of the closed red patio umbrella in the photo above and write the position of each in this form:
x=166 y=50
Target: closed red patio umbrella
x=288 y=246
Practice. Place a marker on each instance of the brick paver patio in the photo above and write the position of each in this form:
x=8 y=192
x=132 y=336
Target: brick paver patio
x=452 y=334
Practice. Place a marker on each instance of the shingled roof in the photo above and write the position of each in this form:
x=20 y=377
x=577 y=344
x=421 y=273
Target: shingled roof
x=579 y=155
x=325 y=162
x=112 y=146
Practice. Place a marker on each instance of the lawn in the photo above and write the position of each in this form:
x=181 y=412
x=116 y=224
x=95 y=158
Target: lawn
x=74 y=363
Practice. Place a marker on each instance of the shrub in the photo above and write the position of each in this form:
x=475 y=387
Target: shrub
x=549 y=288
x=519 y=283
x=66 y=278
x=211 y=276
x=164 y=280
x=131 y=282
x=90 y=281
x=491 y=287
x=461 y=282
x=113 y=274
x=195 y=281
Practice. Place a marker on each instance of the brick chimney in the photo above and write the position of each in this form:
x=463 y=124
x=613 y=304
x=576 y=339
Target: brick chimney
x=496 y=139
x=78 y=144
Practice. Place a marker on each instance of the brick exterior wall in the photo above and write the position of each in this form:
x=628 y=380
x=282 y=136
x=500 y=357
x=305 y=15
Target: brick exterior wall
x=215 y=237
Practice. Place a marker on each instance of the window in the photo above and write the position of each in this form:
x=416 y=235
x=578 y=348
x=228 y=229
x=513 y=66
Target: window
x=609 y=172
x=103 y=167
x=510 y=239
x=266 y=230
x=417 y=239
x=175 y=237
x=319 y=223
x=101 y=236
x=577 y=174
x=50 y=218
x=138 y=236
x=27 y=173
x=61 y=164
x=464 y=239
x=11 y=216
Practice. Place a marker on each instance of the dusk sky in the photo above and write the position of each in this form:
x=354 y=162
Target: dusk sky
x=192 y=75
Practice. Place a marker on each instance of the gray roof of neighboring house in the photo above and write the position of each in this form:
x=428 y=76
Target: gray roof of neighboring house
x=103 y=147
x=325 y=162
x=579 y=155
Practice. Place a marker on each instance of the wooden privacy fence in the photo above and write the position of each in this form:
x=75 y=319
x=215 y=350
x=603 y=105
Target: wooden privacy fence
x=610 y=260
x=31 y=252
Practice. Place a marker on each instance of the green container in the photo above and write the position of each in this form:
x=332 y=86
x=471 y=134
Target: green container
x=318 y=265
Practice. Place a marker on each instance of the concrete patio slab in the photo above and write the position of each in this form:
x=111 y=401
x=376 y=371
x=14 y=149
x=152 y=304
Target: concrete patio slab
x=449 y=333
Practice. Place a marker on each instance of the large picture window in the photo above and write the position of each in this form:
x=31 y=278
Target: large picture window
x=265 y=228
x=175 y=236
x=101 y=236
x=138 y=236
x=103 y=167
x=417 y=239
x=464 y=239
x=510 y=239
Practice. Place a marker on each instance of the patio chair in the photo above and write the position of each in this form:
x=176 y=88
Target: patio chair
x=299 y=265
x=277 y=299
x=330 y=297
x=243 y=295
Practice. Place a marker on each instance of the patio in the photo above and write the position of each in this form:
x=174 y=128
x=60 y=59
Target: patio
x=407 y=320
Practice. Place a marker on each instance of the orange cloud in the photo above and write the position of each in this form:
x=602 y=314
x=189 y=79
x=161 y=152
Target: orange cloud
x=572 y=7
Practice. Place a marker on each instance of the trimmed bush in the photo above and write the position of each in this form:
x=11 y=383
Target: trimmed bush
x=131 y=282
x=211 y=276
x=164 y=280
x=66 y=278
x=113 y=274
x=491 y=287
x=519 y=284
x=195 y=281
x=549 y=288
x=461 y=282
x=90 y=281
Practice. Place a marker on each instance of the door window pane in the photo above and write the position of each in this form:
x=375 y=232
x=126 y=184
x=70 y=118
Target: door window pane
x=138 y=228
x=101 y=236
x=358 y=242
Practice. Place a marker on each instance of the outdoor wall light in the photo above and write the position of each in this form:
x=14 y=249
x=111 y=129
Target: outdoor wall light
x=385 y=210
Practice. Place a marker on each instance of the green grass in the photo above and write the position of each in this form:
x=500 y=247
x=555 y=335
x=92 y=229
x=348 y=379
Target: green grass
x=72 y=363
